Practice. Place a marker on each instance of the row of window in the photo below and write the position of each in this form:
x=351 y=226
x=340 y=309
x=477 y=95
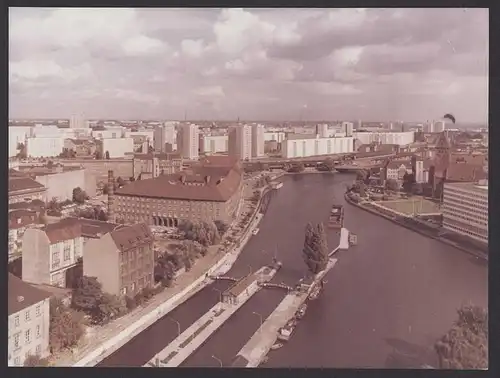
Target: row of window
x=465 y=231
x=27 y=336
x=465 y=219
x=27 y=315
x=17 y=359
x=475 y=213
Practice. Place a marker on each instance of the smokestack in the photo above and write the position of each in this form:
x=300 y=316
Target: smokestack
x=111 y=195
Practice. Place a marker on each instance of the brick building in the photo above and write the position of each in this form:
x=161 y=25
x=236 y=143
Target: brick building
x=210 y=190
x=23 y=189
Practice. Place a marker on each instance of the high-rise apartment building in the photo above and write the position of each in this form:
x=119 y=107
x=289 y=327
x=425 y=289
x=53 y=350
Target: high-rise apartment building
x=348 y=128
x=164 y=134
x=258 y=140
x=240 y=142
x=322 y=130
x=77 y=121
x=439 y=127
x=190 y=136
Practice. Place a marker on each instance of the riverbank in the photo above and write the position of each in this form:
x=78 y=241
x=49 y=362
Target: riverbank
x=415 y=228
x=114 y=335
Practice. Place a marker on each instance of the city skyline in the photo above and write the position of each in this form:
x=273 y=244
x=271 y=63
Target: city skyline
x=274 y=64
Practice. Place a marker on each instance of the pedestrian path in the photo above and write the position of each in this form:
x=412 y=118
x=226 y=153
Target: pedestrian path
x=192 y=338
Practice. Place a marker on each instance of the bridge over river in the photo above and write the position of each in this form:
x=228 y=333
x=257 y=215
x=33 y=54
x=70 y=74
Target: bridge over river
x=384 y=304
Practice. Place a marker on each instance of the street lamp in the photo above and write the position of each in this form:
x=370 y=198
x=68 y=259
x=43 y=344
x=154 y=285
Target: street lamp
x=220 y=293
x=260 y=318
x=218 y=360
x=178 y=326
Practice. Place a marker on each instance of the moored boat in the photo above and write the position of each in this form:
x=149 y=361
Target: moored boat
x=336 y=218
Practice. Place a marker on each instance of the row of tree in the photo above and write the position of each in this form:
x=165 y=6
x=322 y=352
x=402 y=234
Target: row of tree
x=205 y=233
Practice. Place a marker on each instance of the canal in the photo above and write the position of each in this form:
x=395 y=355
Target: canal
x=385 y=303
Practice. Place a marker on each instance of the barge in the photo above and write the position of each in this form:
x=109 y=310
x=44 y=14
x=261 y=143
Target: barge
x=336 y=218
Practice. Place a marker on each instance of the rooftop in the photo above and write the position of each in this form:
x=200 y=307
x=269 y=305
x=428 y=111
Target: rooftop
x=203 y=183
x=466 y=172
x=17 y=184
x=130 y=236
x=23 y=295
x=467 y=185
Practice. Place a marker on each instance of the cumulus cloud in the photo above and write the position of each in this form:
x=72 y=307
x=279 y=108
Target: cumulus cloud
x=255 y=63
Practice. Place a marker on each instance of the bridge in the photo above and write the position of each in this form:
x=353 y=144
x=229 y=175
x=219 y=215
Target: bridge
x=344 y=241
x=223 y=278
x=275 y=286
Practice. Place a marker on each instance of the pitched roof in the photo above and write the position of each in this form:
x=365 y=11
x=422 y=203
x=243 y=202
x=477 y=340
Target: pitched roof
x=65 y=229
x=23 y=183
x=23 y=295
x=22 y=218
x=36 y=204
x=91 y=228
x=204 y=183
x=131 y=236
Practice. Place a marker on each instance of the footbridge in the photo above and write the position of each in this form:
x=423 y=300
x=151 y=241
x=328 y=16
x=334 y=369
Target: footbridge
x=275 y=286
x=223 y=278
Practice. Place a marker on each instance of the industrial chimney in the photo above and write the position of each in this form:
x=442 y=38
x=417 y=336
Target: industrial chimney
x=111 y=196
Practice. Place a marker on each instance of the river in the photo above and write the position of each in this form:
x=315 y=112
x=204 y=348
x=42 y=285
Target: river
x=385 y=302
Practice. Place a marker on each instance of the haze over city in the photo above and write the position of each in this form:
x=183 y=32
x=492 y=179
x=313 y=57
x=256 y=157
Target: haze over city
x=260 y=64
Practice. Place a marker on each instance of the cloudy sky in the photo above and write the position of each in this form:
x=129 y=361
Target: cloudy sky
x=260 y=64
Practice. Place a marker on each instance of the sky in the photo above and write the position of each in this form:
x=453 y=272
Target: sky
x=256 y=64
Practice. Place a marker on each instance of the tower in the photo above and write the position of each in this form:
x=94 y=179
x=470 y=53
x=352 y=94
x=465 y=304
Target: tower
x=111 y=196
x=441 y=164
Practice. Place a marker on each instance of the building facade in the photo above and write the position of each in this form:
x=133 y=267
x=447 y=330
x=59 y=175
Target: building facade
x=240 y=142
x=29 y=321
x=301 y=146
x=24 y=189
x=278 y=136
x=258 y=140
x=61 y=182
x=203 y=193
x=347 y=128
x=49 y=252
x=19 y=220
x=164 y=134
x=122 y=260
x=465 y=210
x=384 y=137
x=190 y=139
x=322 y=130
x=148 y=166
x=213 y=144
x=37 y=147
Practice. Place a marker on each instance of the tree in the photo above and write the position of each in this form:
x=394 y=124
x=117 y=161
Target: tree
x=87 y=296
x=98 y=155
x=465 y=346
x=408 y=181
x=221 y=226
x=315 y=251
x=67 y=326
x=107 y=155
x=22 y=154
x=131 y=179
x=34 y=360
x=50 y=164
x=102 y=216
x=329 y=163
x=362 y=175
x=392 y=185
x=79 y=195
x=110 y=307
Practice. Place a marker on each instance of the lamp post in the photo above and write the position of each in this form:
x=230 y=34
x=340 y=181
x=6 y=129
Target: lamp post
x=178 y=326
x=218 y=360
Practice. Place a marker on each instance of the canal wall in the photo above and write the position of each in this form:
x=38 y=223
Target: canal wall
x=415 y=229
x=259 y=345
x=192 y=338
x=219 y=268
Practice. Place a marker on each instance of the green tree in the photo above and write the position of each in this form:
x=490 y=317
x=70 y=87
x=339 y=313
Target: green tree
x=329 y=163
x=98 y=155
x=315 y=251
x=110 y=307
x=408 y=181
x=465 y=345
x=34 y=360
x=67 y=326
x=392 y=185
x=362 y=175
x=120 y=181
x=87 y=296
x=79 y=195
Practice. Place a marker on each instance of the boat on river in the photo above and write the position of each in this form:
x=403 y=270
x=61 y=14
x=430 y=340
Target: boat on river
x=276 y=346
x=336 y=218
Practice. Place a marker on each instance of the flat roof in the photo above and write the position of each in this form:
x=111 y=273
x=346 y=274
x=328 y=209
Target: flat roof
x=467 y=185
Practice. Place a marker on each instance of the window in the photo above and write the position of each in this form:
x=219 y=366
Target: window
x=38 y=311
x=17 y=361
x=27 y=315
x=67 y=252
x=16 y=320
x=38 y=334
x=27 y=336
x=16 y=340
x=55 y=260
x=38 y=349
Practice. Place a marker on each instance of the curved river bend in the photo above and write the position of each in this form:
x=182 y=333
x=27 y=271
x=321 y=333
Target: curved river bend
x=385 y=302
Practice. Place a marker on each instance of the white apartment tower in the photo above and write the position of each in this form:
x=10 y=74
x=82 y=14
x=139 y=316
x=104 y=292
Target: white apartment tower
x=258 y=140
x=322 y=130
x=439 y=126
x=240 y=142
x=77 y=121
x=190 y=141
x=163 y=134
x=348 y=128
